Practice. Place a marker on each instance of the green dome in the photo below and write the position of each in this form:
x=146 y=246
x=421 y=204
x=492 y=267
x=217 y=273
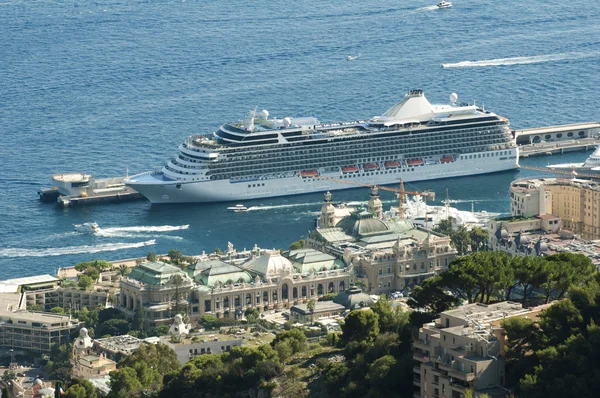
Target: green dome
x=363 y=223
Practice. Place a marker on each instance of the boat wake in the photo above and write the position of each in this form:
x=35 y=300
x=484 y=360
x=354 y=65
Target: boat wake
x=518 y=60
x=428 y=8
x=258 y=208
x=61 y=251
x=158 y=228
x=123 y=234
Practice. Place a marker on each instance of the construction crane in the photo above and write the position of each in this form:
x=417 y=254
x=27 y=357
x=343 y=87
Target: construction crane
x=557 y=171
x=400 y=192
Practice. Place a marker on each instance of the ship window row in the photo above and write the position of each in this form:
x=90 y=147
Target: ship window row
x=300 y=154
x=389 y=154
x=366 y=142
x=274 y=170
x=444 y=130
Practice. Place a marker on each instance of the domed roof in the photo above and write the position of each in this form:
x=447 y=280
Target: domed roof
x=522 y=240
x=353 y=298
x=363 y=223
x=270 y=263
x=541 y=247
x=37 y=382
x=501 y=233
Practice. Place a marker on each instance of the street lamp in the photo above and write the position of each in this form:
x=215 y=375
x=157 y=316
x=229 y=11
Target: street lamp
x=12 y=356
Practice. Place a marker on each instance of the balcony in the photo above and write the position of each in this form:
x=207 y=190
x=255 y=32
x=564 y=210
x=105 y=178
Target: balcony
x=417 y=369
x=421 y=357
x=461 y=375
x=417 y=381
x=423 y=345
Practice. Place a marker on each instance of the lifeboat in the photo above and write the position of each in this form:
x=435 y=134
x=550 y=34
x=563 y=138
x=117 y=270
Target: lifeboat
x=349 y=169
x=391 y=163
x=414 y=162
x=446 y=159
x=309 y=173
x=370 y=166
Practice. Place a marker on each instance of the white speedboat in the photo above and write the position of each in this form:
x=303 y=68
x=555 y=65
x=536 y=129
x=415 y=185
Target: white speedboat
x=88 y=227
x=238 y=208
x=444 y=4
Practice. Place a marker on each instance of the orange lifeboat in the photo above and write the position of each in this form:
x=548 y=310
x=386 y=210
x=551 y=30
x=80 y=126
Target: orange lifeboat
x=391 y=163
x=370 y=166
x=309 y=173
x=349 y=169
x=414 y=162
x=446 y=159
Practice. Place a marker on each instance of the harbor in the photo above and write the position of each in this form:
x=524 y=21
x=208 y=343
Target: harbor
x=558 y=139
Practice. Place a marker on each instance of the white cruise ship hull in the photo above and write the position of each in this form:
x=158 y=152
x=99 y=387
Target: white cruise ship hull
x=160 y=190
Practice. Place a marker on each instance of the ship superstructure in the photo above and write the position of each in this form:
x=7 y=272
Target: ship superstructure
x=265 y=157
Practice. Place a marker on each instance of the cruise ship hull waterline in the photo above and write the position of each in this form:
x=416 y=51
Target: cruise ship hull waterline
x=265 y=157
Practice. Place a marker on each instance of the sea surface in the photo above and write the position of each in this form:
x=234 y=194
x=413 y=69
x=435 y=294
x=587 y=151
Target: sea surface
x=110 y=87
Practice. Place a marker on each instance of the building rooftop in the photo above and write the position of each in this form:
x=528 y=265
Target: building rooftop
x=30 y=280
x=155 y=273
x=320 y=306
x=484 y=313
x=125 y=344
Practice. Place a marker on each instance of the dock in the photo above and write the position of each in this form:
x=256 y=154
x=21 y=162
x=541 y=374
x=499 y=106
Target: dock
x=79 y=189
x=558 y=139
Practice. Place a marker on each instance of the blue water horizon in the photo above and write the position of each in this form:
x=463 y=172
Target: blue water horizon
x=114 y=87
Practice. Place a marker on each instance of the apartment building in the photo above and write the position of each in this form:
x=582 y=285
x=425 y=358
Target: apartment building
x=463 y=349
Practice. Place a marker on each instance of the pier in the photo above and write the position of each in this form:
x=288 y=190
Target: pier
x=558 y=139
x=77 y=189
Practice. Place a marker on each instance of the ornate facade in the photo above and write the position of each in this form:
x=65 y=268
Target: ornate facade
x=225 y=285
x=391 y=253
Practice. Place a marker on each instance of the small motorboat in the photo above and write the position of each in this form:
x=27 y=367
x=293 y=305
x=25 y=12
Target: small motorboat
x=88 y=227
x=444 y=4
x=238 y=208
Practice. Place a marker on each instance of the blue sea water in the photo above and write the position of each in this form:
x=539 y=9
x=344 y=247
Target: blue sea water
x=110 y=86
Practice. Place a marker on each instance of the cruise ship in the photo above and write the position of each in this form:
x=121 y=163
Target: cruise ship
x=262 y=157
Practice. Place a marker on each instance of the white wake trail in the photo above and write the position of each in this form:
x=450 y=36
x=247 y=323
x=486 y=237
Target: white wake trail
x=61 y=251
x=257 y=208
x=518 y=60
x=158 y=228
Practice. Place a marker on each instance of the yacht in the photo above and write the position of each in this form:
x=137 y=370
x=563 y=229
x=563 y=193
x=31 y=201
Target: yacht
x=444 y=4
x=88 y=227
x=590 y=166
x=262 y=156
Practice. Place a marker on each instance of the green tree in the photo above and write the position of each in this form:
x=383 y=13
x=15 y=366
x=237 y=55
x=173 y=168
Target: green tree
x=175 y=256
x=151 y=257
x=88 y=388
x=76 y=391
x=360 y=325
x=478 y=237
x=159 y=357
x=57 y=310
x=461 y=240
x=390 y=318
x=5 y=393
x=123 y=382
x=328 y=297
x=8 y=375
x=431 y=296
x=252 y=315
x=299 y=244
x=446 y=227
x=295 y=338
x=123 y=270
x=85 y=282
x=312 y=304
x=113 y=327
x=35 y=307
x=138 y=318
